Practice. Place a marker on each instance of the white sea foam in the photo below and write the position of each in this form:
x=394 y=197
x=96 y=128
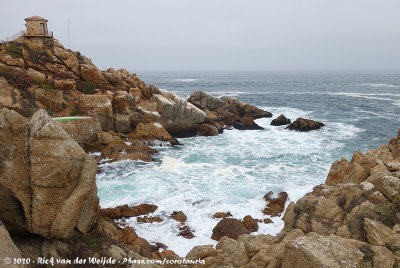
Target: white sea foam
x=380 y=85
x=362 y=95
x=230 y=172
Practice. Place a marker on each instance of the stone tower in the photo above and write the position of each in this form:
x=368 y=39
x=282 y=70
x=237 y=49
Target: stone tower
x=37 y=26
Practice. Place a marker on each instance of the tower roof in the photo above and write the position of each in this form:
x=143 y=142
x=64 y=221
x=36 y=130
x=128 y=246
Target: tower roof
x=37 y=18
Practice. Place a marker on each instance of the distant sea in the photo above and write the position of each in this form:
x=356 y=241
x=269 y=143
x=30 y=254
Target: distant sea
x=233 y=171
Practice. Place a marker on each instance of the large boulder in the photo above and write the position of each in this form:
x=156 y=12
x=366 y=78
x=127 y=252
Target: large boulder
x=48 y=99
x=55 y=194
x=83 y=130
x=99 y=106
x=152 y=132
x=314 y=250
x=229 y=227
x=280 y=120
x=176 y=114
x=207 y=130
x=123 y=102
x=302 y=124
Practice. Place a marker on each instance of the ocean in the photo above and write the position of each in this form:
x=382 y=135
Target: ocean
x=233 y=171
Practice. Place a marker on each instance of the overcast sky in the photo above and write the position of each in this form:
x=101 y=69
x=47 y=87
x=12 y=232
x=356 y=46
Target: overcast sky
x=221 y=34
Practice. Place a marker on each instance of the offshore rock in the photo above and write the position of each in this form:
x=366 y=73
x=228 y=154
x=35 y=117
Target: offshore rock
x=302 y=124
x=275 y=205
x=280 y=120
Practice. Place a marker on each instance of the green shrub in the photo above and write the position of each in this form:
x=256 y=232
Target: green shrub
x=49 y=88
x=22 y=80
x=14 y=50
x=86 y=87
x=75 y=111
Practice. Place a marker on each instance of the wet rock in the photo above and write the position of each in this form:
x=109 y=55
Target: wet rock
x=185 y=232
x=126 y=211
x=275 y=205
x=151 y=132
x=246 y=123
x=280 y=120
x=267 y=221
x=302 y=124
x=222 y=214
x=229 y=227
x=179 y=216
x=149 y=219
x=250 y=223
x=207 y=130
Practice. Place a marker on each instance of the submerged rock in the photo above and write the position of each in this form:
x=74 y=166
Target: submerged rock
x=280 y=120
x=179 y=216
x=222 y=214
x=302 y=124
x=185 y=232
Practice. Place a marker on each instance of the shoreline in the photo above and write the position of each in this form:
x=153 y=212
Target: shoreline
x=48 y=180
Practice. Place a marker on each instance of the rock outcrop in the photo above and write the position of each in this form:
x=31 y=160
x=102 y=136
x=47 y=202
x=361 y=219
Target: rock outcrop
x=301 y=124
x=280 y=120
x=227 y=110
x=47 y=182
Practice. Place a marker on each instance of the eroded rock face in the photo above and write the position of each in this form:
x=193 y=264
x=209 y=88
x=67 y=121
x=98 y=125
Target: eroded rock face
x=302 y=124
x=99 y=106
x=280 y=120
x=49 y=176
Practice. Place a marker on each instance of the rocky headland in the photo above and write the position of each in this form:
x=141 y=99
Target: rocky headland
x=48 y=196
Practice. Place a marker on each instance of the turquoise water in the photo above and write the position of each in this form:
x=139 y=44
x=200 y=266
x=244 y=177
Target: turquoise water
x=232 y=172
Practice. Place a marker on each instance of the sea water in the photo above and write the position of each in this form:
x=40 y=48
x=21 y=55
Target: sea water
x=233 y=171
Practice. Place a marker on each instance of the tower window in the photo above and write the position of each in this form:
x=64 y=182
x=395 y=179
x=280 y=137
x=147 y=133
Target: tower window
x=42 y=28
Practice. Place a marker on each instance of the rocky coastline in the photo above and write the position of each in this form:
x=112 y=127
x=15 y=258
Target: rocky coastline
x=49 y=159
